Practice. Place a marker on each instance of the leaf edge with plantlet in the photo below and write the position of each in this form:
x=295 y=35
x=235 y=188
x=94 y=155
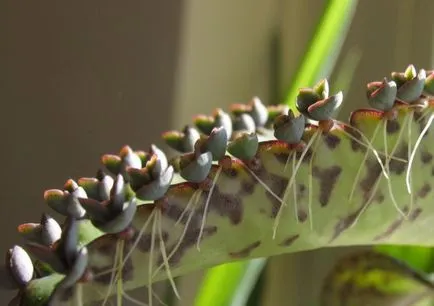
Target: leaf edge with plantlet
x=203 y=217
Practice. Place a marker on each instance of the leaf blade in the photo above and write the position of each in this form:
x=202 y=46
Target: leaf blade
x=324 y=44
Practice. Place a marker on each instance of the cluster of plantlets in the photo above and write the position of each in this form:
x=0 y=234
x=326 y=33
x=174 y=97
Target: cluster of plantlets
x=225 y=196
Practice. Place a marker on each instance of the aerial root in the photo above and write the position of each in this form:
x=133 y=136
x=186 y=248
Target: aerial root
x=368 y=201
x=294 y=189
x=291 y=183
x=425 y=113
x=283 y=201
x=357 y=178
x=133 y=300
x=113 y=274
x=78 y=295
x=408 y=157
x=192 y=202
x=365 y=157
x=164 y=255
x=371 y=147
x=389 y=183
x=156 y=215
x=130 y=252
x=387 y=161
x=137 y=302
x=413 y=153
x=120 y=261
x=287 y=162
x=150 y=261
x=205 y=212
x=119 y=282
x=368 y=145
x=262 y=183
x=310 y=176
x=139 y=236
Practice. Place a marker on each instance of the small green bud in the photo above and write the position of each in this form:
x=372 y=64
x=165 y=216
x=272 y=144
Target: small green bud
x=382 y=95
x=244 y=146
x=325 y=109
x=258 y=112
x=215 y=143
x=244 y=122
x=322 y=88
x=289 y=128
x=195 y=167
x=305 y=98
x=410 y=83
x=410 y=72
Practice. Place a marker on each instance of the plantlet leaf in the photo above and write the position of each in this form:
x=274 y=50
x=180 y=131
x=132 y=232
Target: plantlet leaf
x=288 y=197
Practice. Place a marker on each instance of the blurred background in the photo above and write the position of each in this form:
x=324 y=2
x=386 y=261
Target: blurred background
x=83 y=78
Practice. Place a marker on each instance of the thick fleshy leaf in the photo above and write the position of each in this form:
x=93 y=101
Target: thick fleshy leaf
x=258 y=111
x=39 y=291
x=20 y=265
x=195 y=168
x=244 y=146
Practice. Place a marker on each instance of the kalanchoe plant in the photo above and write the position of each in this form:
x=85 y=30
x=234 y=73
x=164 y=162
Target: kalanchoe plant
x=256 y=181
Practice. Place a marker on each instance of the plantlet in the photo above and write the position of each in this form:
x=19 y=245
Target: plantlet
x=255 y=182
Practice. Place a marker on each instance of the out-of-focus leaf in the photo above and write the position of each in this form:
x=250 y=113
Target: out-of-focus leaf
x=371 y=278
x=230 y=284
x=418 y=257
x=247 y=284
x=220 y=284
x=346 y=72
x=324 y=47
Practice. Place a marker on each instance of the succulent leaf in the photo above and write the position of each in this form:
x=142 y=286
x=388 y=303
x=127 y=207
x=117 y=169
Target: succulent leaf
x=258 y=111
x=244 y=146
x=274 y=111
x=68 y=246
x=76 y=270
x=47 y=255
x=305 y=98
x=326 y=108
x=98 y=187
x=119 y=222
x=237 y=175
x=382 y=95
x=410 y=83
x=183 y=141
x=130 y=158
x=156 y=188
x=289 y=128
x=215 y=143
x=20 y=266
x=322 y=89
x=244 y=122
x=95 y=210
x=195 y=167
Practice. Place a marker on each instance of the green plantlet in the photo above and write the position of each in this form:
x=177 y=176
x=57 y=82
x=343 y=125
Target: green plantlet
x=255 y=182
